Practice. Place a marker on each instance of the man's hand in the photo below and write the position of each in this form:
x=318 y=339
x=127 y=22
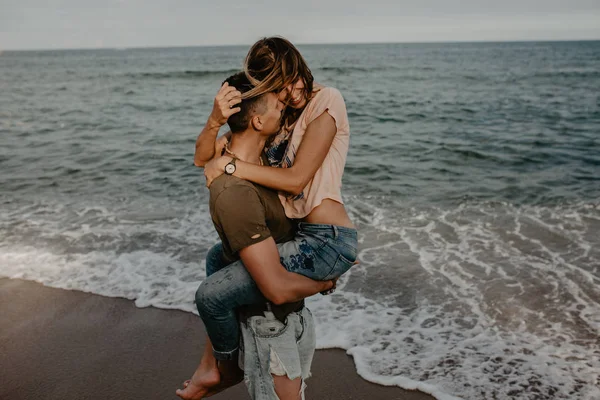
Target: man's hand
x=332 y=288
x=276 y=283
x=223 y=106
x=215 y=168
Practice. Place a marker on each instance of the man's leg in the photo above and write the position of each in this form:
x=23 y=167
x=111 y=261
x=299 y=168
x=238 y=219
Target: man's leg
x=287 y=389
x=231 y=287
x=277 y=364
x=306 y=342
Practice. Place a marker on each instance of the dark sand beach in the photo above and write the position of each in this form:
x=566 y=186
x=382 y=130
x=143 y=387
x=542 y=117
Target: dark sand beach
x=59 y=344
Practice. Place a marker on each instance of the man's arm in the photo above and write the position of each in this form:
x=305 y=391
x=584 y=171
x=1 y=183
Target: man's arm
x=276 y=283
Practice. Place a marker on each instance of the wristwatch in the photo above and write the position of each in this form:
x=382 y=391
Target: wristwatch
x=230 y=168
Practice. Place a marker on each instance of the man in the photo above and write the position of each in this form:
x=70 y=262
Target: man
x=278 y=340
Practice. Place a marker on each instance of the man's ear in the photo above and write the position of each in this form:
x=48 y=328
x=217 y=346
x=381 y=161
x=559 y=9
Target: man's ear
x=257 y=123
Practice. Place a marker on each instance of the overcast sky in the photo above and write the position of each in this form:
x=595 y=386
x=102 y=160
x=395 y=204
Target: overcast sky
x=51 y=24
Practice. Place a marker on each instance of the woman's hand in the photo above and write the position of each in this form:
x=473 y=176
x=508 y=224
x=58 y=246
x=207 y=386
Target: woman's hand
x=226 y=98
x=215 y=168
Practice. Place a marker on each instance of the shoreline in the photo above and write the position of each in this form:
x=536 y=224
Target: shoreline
x=61 y=344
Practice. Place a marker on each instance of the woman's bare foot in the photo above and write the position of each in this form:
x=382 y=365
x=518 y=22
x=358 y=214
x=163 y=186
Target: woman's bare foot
x=206 y=378
x=228 y=374
x=231 y=375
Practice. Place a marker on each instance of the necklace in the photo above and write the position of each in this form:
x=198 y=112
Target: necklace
x=228 y=151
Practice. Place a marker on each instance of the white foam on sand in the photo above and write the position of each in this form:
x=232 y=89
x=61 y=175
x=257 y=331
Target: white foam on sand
x=152 y=258
x=479 y=301
x=146 y=277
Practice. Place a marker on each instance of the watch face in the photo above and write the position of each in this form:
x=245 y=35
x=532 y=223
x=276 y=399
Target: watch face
x=229 y=169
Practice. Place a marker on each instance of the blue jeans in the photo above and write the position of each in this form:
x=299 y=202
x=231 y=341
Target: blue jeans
x=320 y=252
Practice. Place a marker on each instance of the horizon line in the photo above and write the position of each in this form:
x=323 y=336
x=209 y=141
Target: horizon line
x=303 y=44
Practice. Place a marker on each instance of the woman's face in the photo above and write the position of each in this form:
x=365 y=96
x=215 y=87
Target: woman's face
x=293 y=95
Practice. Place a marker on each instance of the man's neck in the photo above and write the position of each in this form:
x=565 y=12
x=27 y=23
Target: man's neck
x=247 y=146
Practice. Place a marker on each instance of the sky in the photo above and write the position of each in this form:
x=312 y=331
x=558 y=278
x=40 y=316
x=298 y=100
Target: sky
x=59 y=24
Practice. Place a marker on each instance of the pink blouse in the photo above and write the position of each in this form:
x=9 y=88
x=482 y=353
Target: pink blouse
x=327 y=182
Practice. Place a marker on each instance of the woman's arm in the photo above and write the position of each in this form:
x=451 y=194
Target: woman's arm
x=202 y=156
x=207 y=144
x=311 y=154
x=276 y=283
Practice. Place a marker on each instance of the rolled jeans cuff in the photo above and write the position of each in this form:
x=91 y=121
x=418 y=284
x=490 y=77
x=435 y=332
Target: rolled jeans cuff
x=226 y=355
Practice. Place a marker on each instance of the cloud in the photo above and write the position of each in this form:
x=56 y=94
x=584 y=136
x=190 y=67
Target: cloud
x=33 y=24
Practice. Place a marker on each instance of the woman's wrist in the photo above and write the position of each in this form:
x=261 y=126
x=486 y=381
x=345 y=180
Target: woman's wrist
x=223 y=161
x=213 y=123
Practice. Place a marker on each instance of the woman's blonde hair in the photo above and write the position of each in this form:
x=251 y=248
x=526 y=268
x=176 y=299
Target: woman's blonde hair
x=272 y=64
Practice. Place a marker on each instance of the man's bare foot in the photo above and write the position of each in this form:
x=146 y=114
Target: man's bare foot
x=205 y=379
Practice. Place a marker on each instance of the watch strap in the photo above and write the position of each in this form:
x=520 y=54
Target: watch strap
x=232 y=162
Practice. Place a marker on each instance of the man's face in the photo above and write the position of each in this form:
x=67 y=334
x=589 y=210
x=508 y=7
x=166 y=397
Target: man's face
x=272 y=117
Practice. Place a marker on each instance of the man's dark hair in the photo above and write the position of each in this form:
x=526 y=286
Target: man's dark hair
x=239 y=121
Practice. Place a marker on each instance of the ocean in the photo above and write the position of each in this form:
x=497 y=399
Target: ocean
x=473 y=177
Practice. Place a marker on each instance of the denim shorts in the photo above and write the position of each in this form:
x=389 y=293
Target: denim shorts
x=320 y=252
x=265 y=339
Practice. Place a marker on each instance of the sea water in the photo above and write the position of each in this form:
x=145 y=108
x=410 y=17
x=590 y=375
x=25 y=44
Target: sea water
x=473 y=177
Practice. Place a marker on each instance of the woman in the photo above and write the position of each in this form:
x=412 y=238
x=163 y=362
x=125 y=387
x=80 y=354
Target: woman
x=311 y=154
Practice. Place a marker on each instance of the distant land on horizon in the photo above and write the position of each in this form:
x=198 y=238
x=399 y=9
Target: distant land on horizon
x=307 y=44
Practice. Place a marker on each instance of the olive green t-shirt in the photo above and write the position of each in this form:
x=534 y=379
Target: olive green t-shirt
x=245 y=213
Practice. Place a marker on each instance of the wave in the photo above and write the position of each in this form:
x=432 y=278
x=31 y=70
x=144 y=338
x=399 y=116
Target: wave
x=187 y=74
x=445 y=300
x=378 y=118
x=448 y=153
x=576 y=74
x=396 y=72
x=343 y=70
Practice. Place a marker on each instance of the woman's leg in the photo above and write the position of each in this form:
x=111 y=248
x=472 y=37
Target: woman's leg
x=214 y=259
x=214 y=263
x=207 y=376
x=320 y=252
x=217 y=299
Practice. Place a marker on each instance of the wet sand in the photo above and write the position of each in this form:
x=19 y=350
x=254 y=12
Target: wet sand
x=60 y=344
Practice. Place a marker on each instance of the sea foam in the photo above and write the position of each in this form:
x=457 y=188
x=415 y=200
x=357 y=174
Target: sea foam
x=478 y=301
